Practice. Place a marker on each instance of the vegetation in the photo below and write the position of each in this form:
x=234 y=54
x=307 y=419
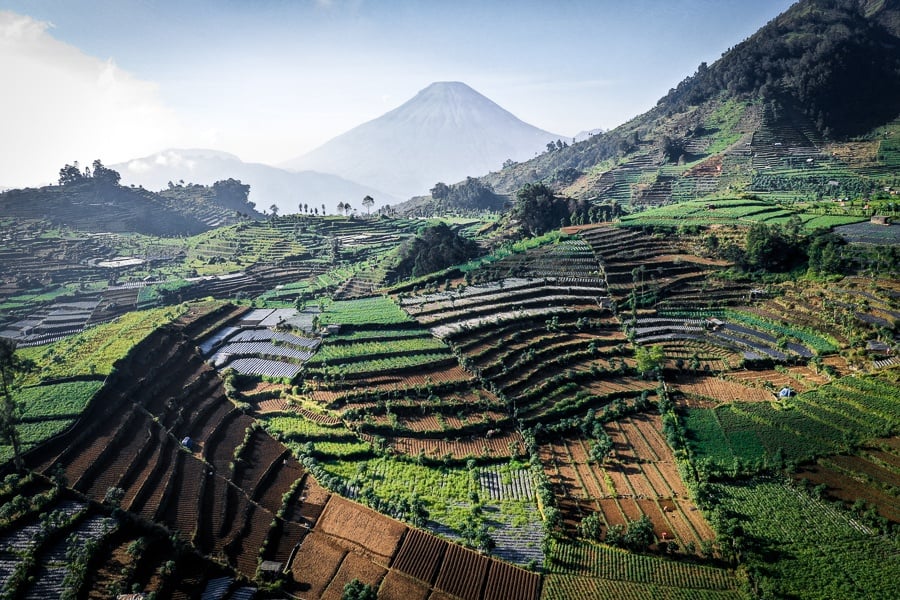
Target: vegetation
x=433 y=249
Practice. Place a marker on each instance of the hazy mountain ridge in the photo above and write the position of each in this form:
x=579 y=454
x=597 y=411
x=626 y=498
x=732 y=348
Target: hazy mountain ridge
x=446 y=132
x=268 y=185
x=99 y=206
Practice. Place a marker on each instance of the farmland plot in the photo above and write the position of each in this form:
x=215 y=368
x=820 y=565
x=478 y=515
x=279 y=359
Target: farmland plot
x=792 y=525
x=720 y=390
x=640 y=479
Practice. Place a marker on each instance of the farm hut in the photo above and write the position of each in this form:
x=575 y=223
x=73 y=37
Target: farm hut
x=270 y=570
x=714 y=323
x=877 y=347
x=880 y=220
x=757 y=293
x=130 y=597
x=187 y=442
x=332 y=329
x=785 y=392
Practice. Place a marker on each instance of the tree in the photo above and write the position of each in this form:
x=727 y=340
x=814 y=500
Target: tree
x=589 y=528
x=340 y=208
x=639 y=534
x=602 y=447
x=274 y=210
x=357 y=590
x=368 y=202
x=11 y=368
x=649 y=359
x=70 y=174
x=104 y=174
x=433 y=249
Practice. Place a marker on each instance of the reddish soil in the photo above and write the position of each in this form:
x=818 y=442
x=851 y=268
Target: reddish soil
x=696 y=519
x=313 y=499
x=612 y=514
x=109 y=571
x=258 y=456
x=279 y=481
x=316 y=563
x=631 y=509
x=181 y=511
x=849 y=490
x=354 y=567
x=720 y=390
x=361 y=529
x=494 y=447
x=462 y=573
x=505 y=581
x=420 y=556
x=397 y=586
x=245 y=550
x=860 y=465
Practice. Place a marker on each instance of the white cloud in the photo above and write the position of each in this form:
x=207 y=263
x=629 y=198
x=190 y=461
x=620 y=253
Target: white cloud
x=60 y=105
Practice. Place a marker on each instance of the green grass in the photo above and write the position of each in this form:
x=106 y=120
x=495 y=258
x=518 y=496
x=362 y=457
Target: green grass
x=822 y=421
x=444 y=490
x=367 y=311
x=583 y=570
x=731 y=211
x=336 y=353
x=94 y=351
x=805 y=548
x=376 y=365
x=62 y=399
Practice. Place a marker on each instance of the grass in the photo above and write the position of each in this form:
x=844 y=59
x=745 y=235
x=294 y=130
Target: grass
x=801 y=547
x=63 y=399
x=94 y=351
x=367 y=311
x=732 y=211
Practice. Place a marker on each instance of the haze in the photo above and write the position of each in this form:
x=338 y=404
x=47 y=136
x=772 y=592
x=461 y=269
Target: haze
x=270 y=80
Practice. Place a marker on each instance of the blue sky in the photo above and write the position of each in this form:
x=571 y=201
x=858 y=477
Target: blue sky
x=271 y=79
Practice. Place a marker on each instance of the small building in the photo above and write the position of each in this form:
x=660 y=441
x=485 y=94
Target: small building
x=878 y=347
x=332 y=329
x=757 y=293
x=785 y=392
x=714 y=323
x=880 y=220
x=270 y=570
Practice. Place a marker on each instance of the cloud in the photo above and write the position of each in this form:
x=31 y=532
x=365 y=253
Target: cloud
x=61 y=105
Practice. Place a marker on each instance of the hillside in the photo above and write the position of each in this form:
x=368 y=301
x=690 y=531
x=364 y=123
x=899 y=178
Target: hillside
x=102 y=205
x=804 y=108
x=446 y=132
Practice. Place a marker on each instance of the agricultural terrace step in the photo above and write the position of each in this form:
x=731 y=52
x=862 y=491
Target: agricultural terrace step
x=518 y=306
x=499 y=319
x=505 y=298
x=472 y=291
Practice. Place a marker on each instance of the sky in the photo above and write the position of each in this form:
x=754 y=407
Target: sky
x=269 y=80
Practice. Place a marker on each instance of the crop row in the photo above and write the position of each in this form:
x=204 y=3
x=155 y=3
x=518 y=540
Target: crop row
x=330 y=352
x=366 y=311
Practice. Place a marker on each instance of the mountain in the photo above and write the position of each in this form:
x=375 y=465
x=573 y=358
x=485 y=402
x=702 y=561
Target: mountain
x=805 y=108
x=96 y=205
x=268 y=185
x=446 y=132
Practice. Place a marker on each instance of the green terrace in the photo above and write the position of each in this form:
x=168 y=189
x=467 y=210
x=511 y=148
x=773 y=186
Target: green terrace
x=733 y=211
